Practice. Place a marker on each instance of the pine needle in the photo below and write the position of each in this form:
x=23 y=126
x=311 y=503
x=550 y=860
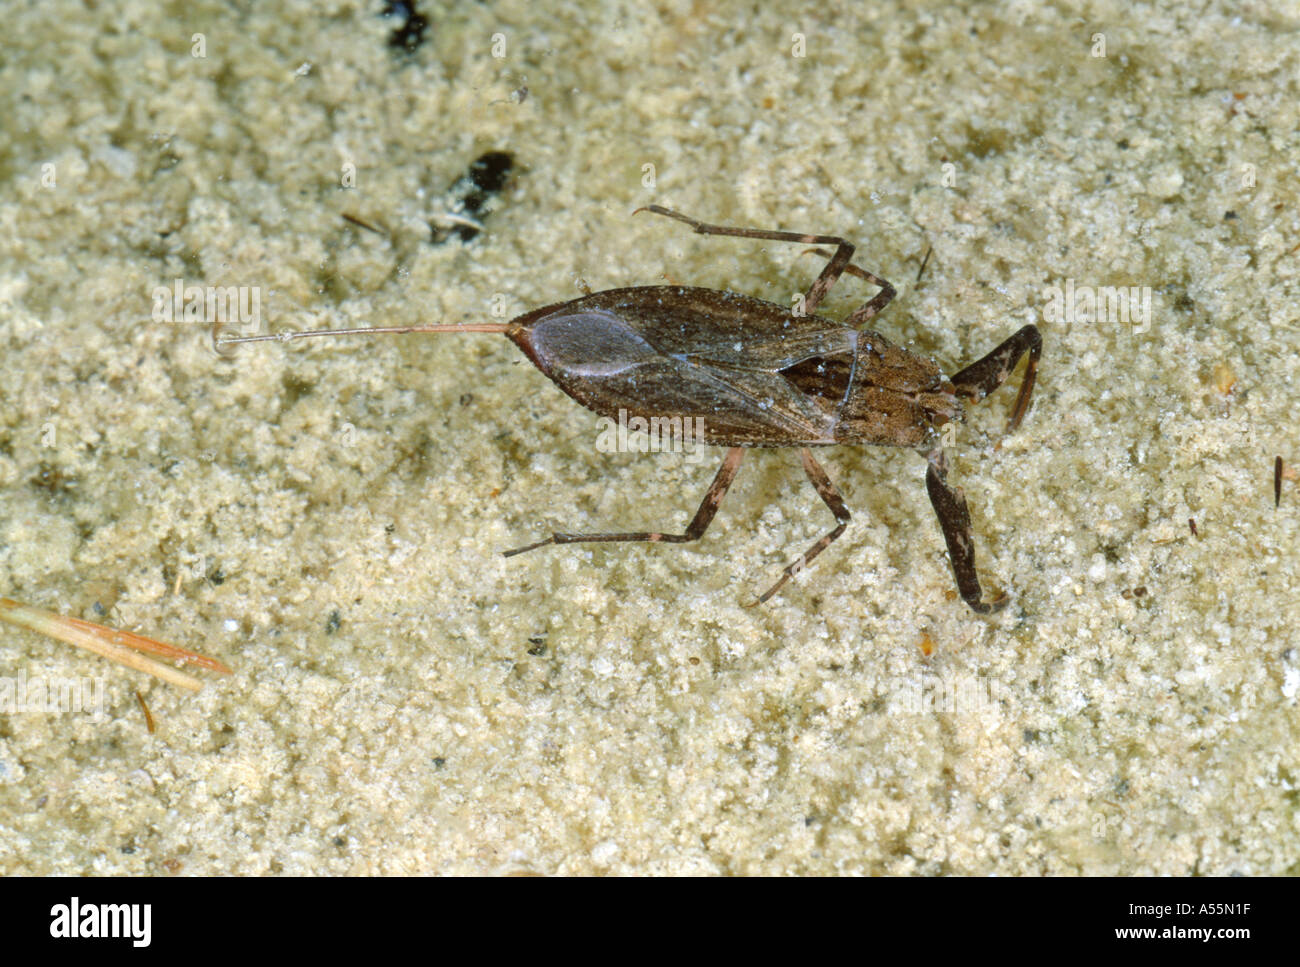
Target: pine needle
x=110 y=643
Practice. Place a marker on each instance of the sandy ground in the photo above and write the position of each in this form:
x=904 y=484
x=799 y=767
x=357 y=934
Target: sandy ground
x=328 y=518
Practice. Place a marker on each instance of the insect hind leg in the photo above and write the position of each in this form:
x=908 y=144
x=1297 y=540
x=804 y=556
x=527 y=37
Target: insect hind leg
x=694 y=531
x=827 y=491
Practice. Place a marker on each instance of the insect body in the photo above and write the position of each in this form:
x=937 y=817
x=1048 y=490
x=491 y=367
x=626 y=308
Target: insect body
x=756 y=374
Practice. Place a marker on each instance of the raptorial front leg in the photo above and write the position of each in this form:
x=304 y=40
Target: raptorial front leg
x=981 y=378
x=838 y=261
x=831 y=497
x=698 y=525
x=954 y=521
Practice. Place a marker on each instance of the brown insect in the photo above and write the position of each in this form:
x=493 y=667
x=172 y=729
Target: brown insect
x=758 y=374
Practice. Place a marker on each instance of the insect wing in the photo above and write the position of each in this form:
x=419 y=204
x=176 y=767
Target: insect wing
x=656 y=360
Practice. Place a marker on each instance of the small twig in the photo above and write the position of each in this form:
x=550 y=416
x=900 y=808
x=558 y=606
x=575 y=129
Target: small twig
x=924 y=262
x=361 y=224
x=148 y=716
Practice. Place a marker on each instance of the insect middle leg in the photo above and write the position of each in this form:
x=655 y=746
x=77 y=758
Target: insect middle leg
x=981 y=378
x=954 y=520
x=873 y=305
x=831 y=497
x=838 y=261
x=694 y=531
